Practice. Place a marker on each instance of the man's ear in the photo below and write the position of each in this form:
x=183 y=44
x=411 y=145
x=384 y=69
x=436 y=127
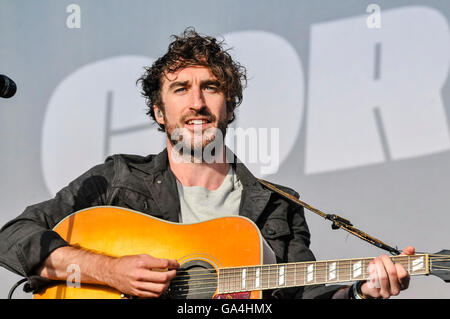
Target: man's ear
x=158 y=114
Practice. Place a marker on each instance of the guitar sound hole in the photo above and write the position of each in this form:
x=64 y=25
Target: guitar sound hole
x=195 y=279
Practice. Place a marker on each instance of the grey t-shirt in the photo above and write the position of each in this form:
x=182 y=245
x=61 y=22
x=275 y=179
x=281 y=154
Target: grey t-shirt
x=198 y=203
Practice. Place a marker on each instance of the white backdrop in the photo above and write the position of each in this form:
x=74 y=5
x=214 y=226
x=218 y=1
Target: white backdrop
x=350 y=100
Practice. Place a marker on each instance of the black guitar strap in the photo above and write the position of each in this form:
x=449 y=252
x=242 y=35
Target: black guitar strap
x=337 y=221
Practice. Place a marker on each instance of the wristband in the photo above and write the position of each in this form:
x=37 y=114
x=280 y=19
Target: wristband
x=356 y=290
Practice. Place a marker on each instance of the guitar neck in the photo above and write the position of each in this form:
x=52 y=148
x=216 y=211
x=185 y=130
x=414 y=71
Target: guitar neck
x=263 y=277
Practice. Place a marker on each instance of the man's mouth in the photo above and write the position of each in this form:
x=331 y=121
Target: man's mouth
x=197 y=122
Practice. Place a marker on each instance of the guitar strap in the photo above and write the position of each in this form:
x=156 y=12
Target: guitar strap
x=337 y=221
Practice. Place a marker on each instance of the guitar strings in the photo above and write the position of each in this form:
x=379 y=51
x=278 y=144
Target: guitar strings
x=272 y=279
x=318 y=264
x=268 y=277
x=201 y=275
x=441 y=267
x=200 y=288
x=200 y=283
x=439 y=259
x=398 y=259
x=230 y=272
x=265 y=268
x=196 y=290
x=197 y=280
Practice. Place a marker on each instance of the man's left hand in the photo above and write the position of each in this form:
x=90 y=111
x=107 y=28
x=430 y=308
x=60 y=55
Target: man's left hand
x=388 y=278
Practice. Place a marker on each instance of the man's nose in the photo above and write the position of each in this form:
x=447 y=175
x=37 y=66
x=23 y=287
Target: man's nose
x=198 y=99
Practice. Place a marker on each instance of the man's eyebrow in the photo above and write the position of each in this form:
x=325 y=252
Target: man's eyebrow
x=203 y=83
x=210 y=82
x=177 y=83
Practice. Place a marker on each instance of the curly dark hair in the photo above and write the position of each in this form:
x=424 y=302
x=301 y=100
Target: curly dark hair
x=193 y=49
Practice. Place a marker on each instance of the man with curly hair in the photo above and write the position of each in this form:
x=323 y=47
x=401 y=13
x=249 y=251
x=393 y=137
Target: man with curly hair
x=191 y=93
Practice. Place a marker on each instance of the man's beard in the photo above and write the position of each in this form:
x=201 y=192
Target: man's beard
x=204 y=145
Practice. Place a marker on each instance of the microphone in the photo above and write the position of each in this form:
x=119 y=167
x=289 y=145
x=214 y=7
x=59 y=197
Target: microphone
x=7 y=87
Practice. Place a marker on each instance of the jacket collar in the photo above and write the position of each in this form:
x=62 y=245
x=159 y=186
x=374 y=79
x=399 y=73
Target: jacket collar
x=152 y=164
x=254 y=196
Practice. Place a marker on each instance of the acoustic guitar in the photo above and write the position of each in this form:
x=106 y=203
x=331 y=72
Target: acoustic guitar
x=219 y=258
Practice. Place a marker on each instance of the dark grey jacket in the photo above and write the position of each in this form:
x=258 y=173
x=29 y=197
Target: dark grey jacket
x=147 y=184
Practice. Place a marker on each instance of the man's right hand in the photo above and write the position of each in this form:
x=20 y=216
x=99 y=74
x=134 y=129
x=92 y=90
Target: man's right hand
x=141 y=275
x=137 y=275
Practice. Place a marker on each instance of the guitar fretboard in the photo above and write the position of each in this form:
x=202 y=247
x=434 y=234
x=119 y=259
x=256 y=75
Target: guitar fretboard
x=262 y=277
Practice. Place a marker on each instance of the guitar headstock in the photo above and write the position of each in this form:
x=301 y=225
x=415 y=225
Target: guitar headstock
x=440 y=264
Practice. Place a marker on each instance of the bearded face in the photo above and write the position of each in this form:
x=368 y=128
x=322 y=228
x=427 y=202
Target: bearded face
x=195 y=113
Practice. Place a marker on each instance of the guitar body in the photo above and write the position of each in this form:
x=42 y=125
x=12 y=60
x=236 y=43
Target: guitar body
x=201 y=247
